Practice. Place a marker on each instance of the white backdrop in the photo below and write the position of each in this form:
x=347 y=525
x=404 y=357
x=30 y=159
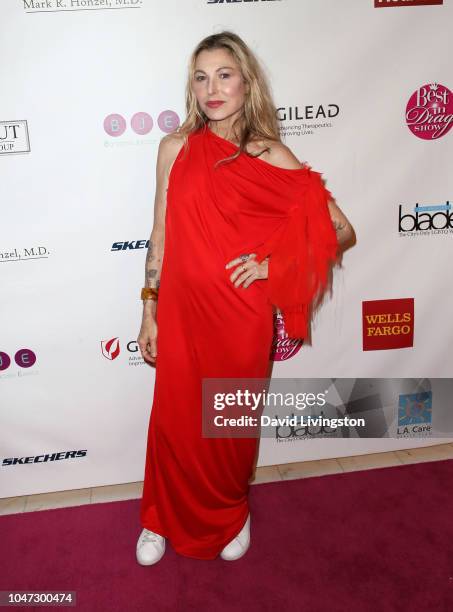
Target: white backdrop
x=74 y=185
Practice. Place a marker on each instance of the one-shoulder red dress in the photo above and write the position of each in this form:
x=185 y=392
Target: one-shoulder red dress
x=195 y=487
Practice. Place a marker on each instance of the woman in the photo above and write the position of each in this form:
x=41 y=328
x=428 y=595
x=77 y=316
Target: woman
x=240 y=236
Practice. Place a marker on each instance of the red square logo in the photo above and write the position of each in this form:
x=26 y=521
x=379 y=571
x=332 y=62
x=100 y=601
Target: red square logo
x=388 y=3
x=388 y=324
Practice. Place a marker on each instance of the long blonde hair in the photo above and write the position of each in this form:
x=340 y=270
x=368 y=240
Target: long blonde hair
x=258 y=119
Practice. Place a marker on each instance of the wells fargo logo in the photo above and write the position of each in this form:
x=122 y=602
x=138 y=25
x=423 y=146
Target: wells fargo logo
x=388 y=324
x=383 y=3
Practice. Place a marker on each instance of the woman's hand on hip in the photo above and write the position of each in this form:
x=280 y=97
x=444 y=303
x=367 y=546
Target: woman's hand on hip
x=248 y=270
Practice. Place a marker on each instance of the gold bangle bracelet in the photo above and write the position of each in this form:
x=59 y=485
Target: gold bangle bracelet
x=149 y=293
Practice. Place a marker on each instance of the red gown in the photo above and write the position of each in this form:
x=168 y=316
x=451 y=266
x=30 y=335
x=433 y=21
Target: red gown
x=195 y=487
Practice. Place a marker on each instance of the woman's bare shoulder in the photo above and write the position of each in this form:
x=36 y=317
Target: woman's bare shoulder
x=171 y=143
x=169 y=147
x=276 y=153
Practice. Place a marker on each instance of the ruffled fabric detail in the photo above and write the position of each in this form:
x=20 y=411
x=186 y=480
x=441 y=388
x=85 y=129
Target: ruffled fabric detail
x=302 y=253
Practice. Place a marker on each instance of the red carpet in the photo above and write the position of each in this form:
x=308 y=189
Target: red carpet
x=376 y=540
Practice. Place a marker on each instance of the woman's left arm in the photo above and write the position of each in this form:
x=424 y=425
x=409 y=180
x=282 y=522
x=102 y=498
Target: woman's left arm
x=345 y=231
x=281 y=155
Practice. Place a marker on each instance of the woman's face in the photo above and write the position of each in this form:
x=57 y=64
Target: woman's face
x=217 y=78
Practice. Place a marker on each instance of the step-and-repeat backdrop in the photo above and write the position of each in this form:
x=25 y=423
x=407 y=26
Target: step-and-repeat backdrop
x=88 y=89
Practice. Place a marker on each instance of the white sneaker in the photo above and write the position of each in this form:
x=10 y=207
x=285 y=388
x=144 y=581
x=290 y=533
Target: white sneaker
x=150 y=547
x=238 y=545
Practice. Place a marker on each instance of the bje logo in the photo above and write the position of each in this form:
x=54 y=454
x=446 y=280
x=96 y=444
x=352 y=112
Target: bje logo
x=383 y=3
x=388 y=324
x=141 y=123
x=24 y=358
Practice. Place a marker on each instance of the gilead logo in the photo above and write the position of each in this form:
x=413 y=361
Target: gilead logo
x=383 y=3
x=110 y=348
x=388 y=324
x=429 y=112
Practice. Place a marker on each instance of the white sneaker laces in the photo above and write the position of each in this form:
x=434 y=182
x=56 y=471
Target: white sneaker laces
x=150 y=536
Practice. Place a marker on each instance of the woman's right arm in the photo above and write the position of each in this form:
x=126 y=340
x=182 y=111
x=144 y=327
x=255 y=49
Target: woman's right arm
x=169 y=147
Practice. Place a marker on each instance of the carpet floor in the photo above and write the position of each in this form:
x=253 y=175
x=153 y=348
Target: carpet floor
x=367 y=541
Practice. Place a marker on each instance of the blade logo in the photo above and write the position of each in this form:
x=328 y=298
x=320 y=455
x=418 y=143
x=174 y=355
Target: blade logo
x=390 y=3
x=427 y=219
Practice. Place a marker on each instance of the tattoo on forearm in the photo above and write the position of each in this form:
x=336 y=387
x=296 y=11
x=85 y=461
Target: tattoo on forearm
x=149 y=254
x=152 y=275
x=151 y=272
x=338 y=225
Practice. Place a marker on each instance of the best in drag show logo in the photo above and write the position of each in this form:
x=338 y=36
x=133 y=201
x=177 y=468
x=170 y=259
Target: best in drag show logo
x=429 y=111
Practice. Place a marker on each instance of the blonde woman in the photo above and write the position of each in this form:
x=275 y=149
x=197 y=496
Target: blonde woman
x=240 y=227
